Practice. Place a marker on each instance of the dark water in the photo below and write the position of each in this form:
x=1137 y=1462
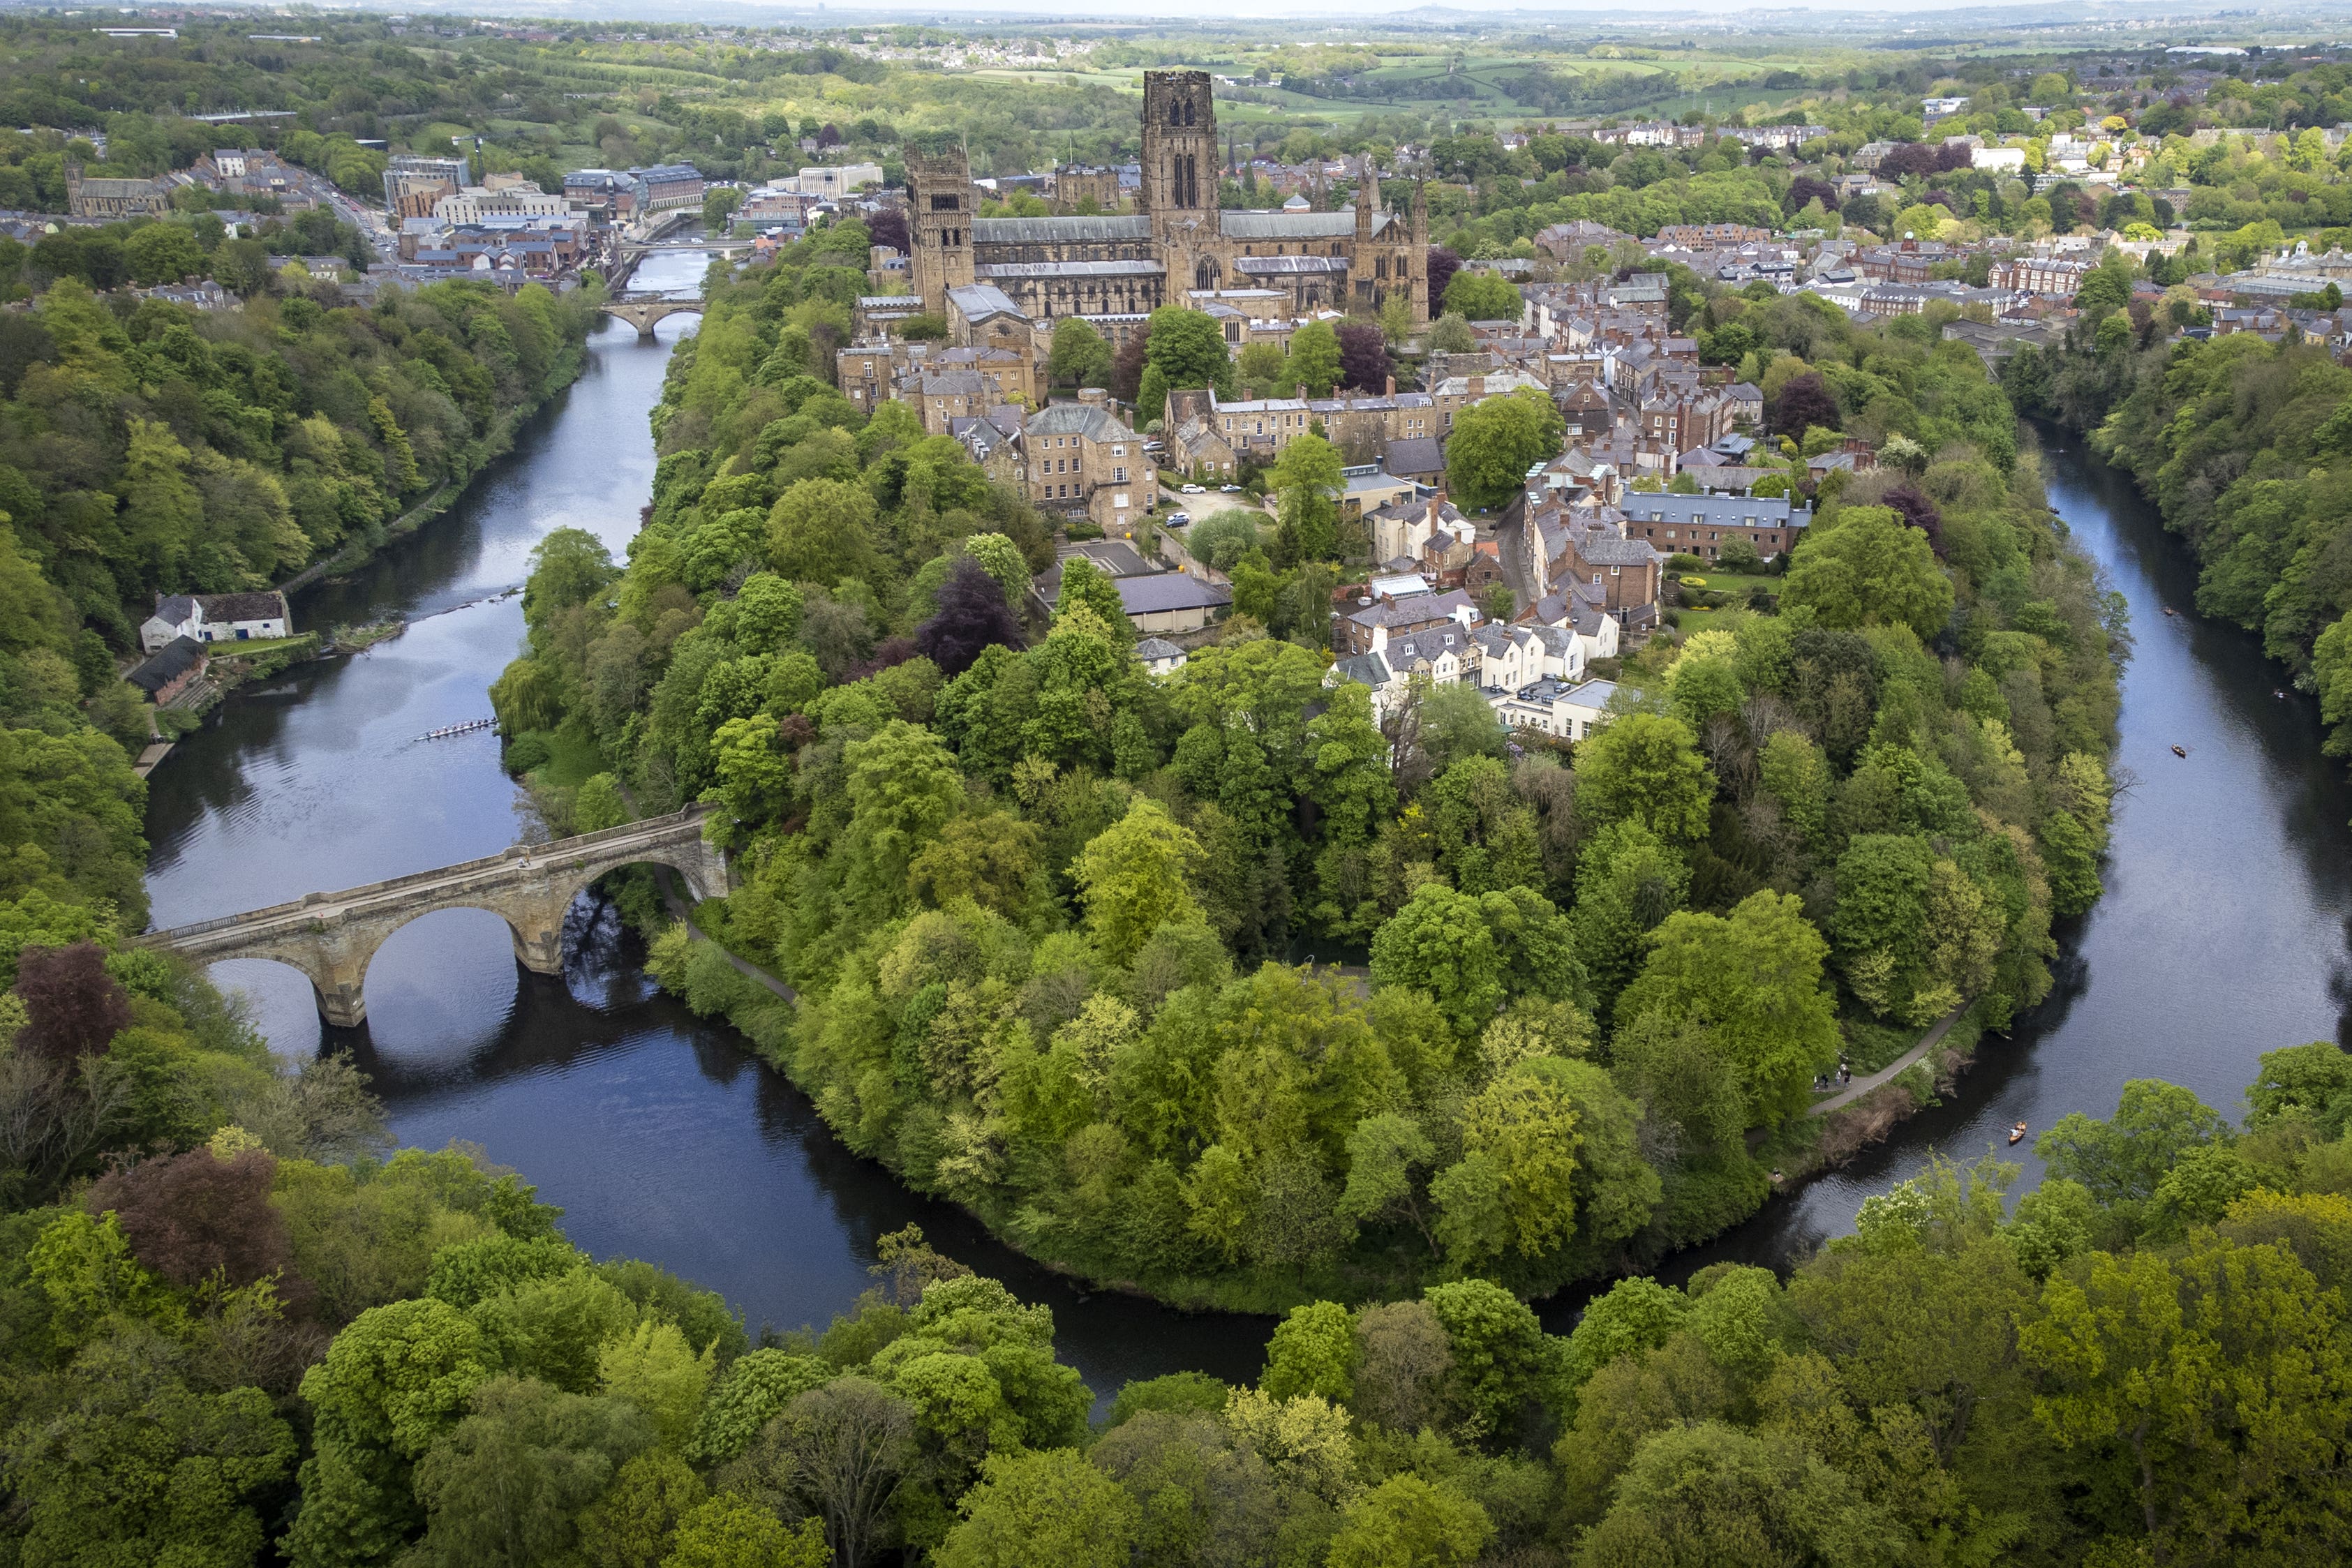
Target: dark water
x=2226 y=930
x=2223 y=933
x=661 y=1135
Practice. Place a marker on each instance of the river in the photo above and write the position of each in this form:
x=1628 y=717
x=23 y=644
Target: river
x=2223 y=933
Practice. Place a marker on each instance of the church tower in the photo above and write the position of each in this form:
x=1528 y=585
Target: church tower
x=940 y=204
x=1179 y=147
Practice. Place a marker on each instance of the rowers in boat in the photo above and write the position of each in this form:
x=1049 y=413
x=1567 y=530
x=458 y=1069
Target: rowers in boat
x=2017 y=1134
x=2169 y=609
x=2179 y=751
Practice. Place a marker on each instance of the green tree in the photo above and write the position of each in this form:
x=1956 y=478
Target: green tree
x=821 y=531
x=1084 y=584
x=1313 y=364
x=163 y=253
x=1080 y=356
x=1871 y=568
x=392 y=1384
x=1187 y=349
x=1522 y=1129
x=1497 y=440
x=1134 y=877
x=635 y=1523
x=904 y=787
x=1408 y=1522
x=134 y=1466
x=2123 y=1159
x=1313 y=1351
x=1709 y=1493
x=1439 y=942
x=1306 y=479
x=731 y=1531
x=1482 y=297
x=2213 y=1388
x=1754 y=980
x=505 y=1487
x=1503 y=1361
x=1645 y=768
x=1049 y=1510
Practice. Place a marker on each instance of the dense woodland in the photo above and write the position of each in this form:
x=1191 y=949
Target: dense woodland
x=2245 y=448
x=1047 y=916
x=1045 y=911
x=260 y=1339
x=145 y=449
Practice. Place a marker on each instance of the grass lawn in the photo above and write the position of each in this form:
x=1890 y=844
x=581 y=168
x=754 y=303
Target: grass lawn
x=572 y=757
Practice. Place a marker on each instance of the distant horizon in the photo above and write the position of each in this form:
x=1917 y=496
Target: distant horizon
x=2100 y=16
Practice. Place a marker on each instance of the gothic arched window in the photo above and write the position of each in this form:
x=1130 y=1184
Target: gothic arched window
x=1175 y=113
x=1188 y=112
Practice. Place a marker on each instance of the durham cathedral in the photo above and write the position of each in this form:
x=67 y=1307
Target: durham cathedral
x=1177 y=247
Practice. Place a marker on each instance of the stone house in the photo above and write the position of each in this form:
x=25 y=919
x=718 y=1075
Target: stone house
x=1083 y=460
x=217 y=618
x=170 y=670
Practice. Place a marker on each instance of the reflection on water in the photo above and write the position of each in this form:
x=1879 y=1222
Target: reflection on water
x=661 y=1135
x=2226 y=930
x=2223 y=933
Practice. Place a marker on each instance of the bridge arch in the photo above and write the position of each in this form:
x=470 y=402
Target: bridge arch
x=646 y=314
x=332 y=937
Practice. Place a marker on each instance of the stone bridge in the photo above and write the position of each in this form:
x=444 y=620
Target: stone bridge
x=332 y=936
x=642 y=313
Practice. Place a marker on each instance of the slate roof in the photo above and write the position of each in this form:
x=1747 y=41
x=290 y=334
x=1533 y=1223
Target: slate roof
x=1368 y=669
x=1719 y=511
x=1070 y=268
x=1061 y=230
x=978 y=301
x=1168 y=591
x=1416 y=454
x=1340 y=225
x=266 y=605
x=1289 y=265
x=1092 y=420
x=167 y=664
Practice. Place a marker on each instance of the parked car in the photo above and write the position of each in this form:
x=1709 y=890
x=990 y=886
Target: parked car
x=1229 y=489
x=1195 y=490
x=1177 y=519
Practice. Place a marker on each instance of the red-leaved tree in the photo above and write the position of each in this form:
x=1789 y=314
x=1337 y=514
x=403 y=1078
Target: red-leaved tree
x=1363 y=357
x=1441 y=265
x=1913 y=506
x=189 y=1217
x=1803 y=403
x=972 y=615
x=72 y=1006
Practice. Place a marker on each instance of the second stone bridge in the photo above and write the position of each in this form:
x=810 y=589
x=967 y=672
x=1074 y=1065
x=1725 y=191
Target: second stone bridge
x=332 y=936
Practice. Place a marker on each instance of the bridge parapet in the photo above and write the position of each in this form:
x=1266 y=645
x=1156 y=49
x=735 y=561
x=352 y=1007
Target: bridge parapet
x=332 y=936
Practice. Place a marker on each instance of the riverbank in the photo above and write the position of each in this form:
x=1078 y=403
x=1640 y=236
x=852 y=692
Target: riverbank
x=470 y=462
x=703 y=969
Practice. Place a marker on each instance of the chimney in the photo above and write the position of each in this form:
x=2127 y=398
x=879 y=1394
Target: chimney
x=1392 y=388
x=1092 y=394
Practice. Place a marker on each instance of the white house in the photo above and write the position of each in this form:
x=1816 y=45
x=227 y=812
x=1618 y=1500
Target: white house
x=1513 y=656
x=1439 y=656
x=1556 y=708
x=217 y=618
x=1161 y=656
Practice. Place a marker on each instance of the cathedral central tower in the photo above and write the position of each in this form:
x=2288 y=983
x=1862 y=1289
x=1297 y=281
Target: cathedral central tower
x=1179 y=146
